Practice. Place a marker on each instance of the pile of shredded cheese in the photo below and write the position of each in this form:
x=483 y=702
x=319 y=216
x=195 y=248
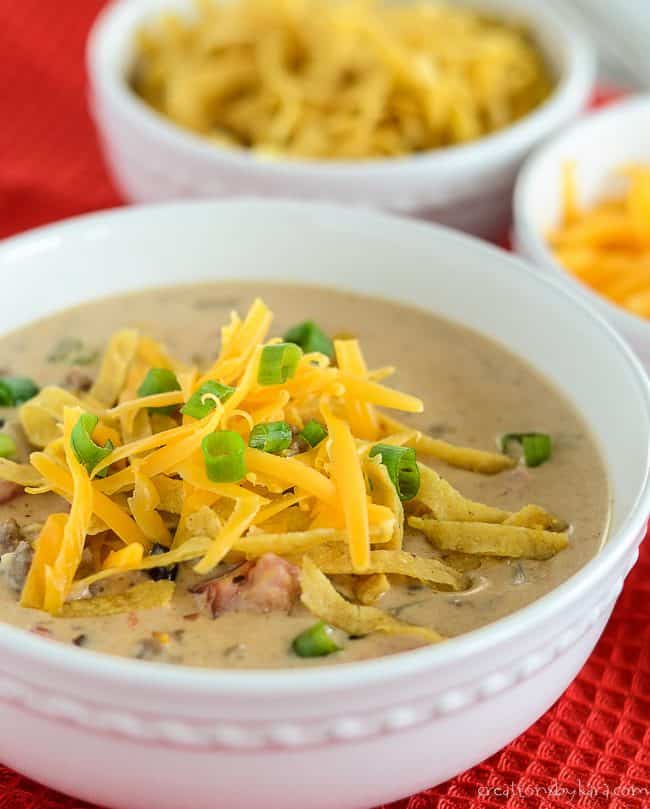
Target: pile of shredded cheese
x=607 y=245
x=338 y=79
x=331 y=508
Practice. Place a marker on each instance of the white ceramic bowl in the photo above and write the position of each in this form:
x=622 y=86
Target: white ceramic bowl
x=138 y=735
x=598 y=145
x=467 y=187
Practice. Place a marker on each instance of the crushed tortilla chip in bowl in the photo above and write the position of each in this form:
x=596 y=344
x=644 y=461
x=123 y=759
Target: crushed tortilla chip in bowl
x=465 y=182
x=582 y=212
x=304 y=737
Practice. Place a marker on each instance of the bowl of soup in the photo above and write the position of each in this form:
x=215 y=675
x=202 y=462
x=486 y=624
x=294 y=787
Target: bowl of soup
x=344 y=494
x=427 y=110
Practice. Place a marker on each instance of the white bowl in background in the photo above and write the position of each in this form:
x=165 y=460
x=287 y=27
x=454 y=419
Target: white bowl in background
x=599 y=145
x=468 y=187
x=136 y=735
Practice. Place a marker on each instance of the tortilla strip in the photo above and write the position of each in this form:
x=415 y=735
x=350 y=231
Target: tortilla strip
x=23 y=474
x=118 y=356
x=145 y=596
x=475 y=460
x=445 y=503
x=536 y=517
x=488 y=539
x=333 y=561
x=171 y=493
x=296 y=543
x=369 y=589
x=321 y=599
x=192 y=549
x=42 y=417
x=385 y=493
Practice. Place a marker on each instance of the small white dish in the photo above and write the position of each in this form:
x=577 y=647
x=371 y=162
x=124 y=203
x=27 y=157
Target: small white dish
x=133 y=735
x=468 y=187
x=599 y=145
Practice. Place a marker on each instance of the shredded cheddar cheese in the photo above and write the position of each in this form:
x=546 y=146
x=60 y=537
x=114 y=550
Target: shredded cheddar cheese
x=606 y=245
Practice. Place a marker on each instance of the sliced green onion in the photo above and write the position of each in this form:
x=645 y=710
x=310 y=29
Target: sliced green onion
x=15 y=390
x=317 y=641
x=159 y=380
x=402 y=468
x=198 y=407
x=278 y=363
x=87 y=451
x=274 y=436
x=310 y=338
x=223 y=452
x=537 y=447
x=313 y=433
x=7 y=446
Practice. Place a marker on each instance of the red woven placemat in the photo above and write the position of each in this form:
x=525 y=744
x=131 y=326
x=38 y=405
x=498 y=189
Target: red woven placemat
x=592 y=749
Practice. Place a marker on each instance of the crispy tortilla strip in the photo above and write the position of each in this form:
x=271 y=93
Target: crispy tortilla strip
x=295 y=543
x=115 y=365
x=384 y=493
x=146 y=596
x=204 y=522
x=491 y=540
x=143 y=505
x=42 y=416
x=321 y=599
x=446 y=503
x=462 y=562
x=286 y=544
x=191 y=549
x=369 y=589
x=154 y=355
x=536 y=517
x=475 y=460
x=170 y=491
x=23 y=474
x=194 y=499
x=333 y=561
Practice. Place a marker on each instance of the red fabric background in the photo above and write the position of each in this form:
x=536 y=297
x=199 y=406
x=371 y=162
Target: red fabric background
x=592 y=749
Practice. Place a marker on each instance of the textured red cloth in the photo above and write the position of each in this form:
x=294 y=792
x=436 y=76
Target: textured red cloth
x=592 y=749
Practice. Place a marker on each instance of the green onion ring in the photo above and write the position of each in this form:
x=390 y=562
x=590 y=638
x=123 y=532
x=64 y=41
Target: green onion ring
x=274 y=436
x=278 y=363
x=198 y=407
x=223 y=453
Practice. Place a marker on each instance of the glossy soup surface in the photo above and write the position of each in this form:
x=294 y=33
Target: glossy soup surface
x=473 y=390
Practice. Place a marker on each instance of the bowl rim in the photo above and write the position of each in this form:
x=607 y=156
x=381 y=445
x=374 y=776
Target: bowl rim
x=571 y=91
x=336 y=678
x=530 y=239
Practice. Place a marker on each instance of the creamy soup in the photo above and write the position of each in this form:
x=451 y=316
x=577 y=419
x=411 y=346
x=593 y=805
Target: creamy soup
x=473 y=390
